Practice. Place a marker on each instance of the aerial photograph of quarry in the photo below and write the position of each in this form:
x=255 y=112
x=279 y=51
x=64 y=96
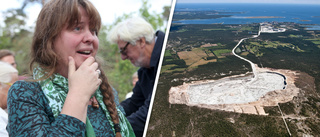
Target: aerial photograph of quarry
x=239 y=70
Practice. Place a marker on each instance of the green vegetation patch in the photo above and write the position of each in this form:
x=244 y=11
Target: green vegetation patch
x=219 y=53
x=287 y=108
x=215 y=29
x=215 y=47
x=248 y=28
x=174 y=71
x=255 y=46
x=316 y=42
x=167 y=67
x=314 y=39
x=244 y=53
x=182 y=30
x=167 y=53
x=295 y=36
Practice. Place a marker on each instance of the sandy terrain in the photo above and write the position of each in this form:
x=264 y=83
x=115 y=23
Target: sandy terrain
x=242 y=94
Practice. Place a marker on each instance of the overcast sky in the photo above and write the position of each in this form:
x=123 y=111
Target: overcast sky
x=109 y=10
x=252 y=1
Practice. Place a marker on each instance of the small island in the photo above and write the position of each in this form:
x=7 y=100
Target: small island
x=304 y=20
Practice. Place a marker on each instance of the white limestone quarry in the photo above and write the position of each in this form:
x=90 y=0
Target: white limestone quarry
x=235 y=90
x=238 y=93
x=241 y=94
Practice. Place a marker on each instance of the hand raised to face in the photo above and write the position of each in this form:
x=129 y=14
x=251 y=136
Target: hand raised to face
x=85 y=80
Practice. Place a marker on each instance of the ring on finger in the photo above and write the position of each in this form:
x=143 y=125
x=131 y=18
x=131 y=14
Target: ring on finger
x=99 y=72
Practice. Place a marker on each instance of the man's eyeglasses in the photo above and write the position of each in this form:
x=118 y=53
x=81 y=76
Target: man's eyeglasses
x=123 y=50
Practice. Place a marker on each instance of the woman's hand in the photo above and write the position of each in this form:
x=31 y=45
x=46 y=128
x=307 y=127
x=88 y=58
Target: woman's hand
x=85 y=80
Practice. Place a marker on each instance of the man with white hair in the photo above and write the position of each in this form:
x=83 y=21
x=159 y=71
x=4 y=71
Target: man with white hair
x=138 y=42
x=8 y=75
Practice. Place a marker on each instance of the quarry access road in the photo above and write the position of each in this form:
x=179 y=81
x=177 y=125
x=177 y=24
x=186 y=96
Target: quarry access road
x=254 y=70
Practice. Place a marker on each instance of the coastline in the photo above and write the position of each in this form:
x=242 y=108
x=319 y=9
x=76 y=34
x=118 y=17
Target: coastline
x=263 y=17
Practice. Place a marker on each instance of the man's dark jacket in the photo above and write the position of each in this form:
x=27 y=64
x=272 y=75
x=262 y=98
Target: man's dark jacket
x=137 y=106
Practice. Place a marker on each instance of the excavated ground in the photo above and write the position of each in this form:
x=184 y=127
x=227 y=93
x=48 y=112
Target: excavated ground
x=241 y=94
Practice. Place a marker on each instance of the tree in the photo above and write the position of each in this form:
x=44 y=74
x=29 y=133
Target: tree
x=16 y=37
x=154 y=19
x=166 y=12
x=26 y=2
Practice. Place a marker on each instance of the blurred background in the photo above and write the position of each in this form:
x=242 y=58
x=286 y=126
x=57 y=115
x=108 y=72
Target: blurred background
x=17 y=21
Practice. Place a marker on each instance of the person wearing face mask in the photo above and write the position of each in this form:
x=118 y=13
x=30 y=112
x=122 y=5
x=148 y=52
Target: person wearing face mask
x=69 y=94
x=8 y=75
x=138 y=42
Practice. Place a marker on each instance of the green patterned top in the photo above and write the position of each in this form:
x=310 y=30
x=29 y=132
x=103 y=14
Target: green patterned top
x=55 y=91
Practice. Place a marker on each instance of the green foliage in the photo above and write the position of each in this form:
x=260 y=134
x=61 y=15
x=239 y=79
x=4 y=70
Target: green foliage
x=166 y=12
x=287 y=108
x=314 y=125
x=220 y=52
x=16 y=38
x=5 y=42
x=272 y=110
x=154 y=19
x=15 y=21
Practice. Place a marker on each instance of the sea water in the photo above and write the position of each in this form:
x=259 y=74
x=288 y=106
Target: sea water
x=297 y=13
